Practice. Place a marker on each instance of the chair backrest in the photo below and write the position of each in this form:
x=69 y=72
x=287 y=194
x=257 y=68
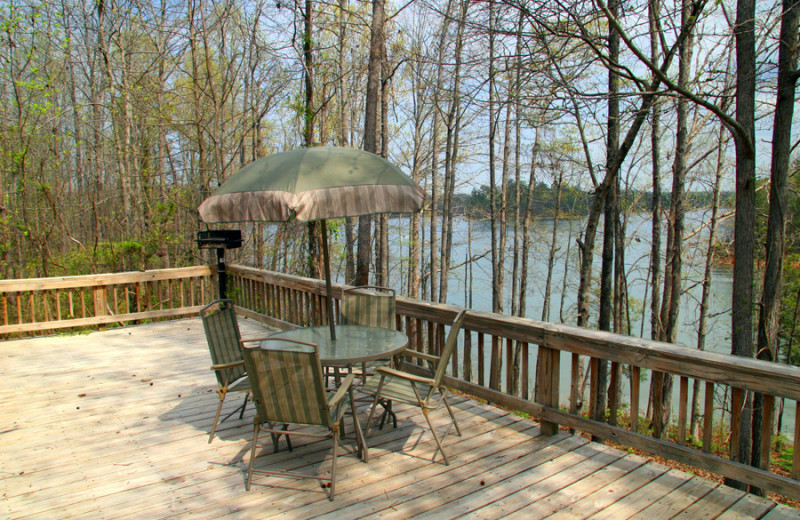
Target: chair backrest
x=369 y=305
x=286 y=382
x=222 y=334
x=449 y=345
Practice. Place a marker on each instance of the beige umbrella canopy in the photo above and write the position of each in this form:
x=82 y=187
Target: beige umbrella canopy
x=313 y=184
x=309 y=184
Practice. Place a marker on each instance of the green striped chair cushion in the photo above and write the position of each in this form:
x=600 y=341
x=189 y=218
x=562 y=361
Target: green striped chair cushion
x=287 y=384
x=222 y=334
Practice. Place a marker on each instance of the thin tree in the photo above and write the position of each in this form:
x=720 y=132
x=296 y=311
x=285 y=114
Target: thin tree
x=344 y=128
x=661 y=387
x=744 y=233
x=551 y=255
x=453 y=124
x=438 y=89
x=374 y=70
x=769 y=310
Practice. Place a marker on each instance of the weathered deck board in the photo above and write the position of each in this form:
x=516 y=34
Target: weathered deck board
x=556 y=502
x=781 y=512
x=749 y=506
x=114 y=424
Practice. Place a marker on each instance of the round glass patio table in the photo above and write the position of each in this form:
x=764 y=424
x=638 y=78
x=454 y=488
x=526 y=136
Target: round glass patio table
x=353 y=343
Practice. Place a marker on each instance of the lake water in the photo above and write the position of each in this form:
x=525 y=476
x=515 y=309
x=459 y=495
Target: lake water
x=476 y=242
x=472 y=240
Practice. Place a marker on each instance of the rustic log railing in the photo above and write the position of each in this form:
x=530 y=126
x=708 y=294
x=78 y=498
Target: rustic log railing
x=46 y=304
x=495 y=359
x=484 y=366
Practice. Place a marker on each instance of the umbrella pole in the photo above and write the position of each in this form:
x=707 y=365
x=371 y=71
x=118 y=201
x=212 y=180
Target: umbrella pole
x=327 y=266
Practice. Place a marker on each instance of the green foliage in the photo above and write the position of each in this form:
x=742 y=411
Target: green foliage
x=783 y=453
x=574 y=201
x=790 y=303
x=108 y=257
x=762 y=213
x=161 y=230
x=335 y=228
x=235 y=294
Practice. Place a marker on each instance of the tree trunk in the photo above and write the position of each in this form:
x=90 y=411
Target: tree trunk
x=451 y=156
x=655 y=144
x=661 y=393
x=415 y=240
x=526 y=225
x=376 y=57
x=706 y=294
x=313 y=231
x=744 y=235
x=497 y=290
x=382 y=234
x=769 y=311
x=606 y=270
x=518 y=118
x=344 y=134
x=551 y=256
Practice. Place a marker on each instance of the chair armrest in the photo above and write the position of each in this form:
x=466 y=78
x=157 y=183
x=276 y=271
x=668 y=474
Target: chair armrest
x=341 y=391
x=416 y=353
x=405 y=375
x=227 y=365
x=252 y=340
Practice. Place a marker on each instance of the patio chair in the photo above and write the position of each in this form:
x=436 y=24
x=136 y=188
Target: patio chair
x=223 y=337
x=287 y=386
x=373 y=306
x=415 y=390
x=369 y=305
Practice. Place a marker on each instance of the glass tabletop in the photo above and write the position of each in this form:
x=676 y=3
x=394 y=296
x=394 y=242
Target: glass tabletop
x=353 y=343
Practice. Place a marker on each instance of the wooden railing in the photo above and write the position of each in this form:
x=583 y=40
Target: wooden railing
x=484 y=367
x=496 y=358
x=46 y=304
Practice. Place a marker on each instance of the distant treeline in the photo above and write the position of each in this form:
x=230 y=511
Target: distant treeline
x=574 y=201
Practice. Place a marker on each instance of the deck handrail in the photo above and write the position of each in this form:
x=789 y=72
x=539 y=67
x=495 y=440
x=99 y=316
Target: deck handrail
x=36 y=305
x=300 y=301
x=746 y=373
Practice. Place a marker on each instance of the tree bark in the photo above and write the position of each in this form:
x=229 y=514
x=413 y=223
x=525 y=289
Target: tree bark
x=551 y=255
x=606 y=270
x=655 y=144
x=662 y=383
x=744 y=235
x=433 y=259
x=706 y=294
x=344 y=134
x=769 y=311
x=453 y=123
x=313 y=230
x=376 y=57
x=497 y=289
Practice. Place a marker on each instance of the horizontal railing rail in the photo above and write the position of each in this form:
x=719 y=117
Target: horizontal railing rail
x=497 y=354
x=46 y=304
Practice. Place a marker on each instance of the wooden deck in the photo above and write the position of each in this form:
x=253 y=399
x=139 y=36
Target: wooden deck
x=115 y=424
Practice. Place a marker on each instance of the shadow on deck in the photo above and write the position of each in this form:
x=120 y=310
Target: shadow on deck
x=115 y=424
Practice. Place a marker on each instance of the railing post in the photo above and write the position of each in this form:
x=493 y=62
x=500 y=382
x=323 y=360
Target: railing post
x=100 y=301
x=549 y=367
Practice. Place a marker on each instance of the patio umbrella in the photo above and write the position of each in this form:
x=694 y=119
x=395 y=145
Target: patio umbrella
x=310 y=184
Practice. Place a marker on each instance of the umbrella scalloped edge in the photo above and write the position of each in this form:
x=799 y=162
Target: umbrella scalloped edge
x=338 y=202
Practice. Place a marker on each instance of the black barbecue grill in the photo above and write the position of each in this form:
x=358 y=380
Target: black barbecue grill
x=220 y=239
